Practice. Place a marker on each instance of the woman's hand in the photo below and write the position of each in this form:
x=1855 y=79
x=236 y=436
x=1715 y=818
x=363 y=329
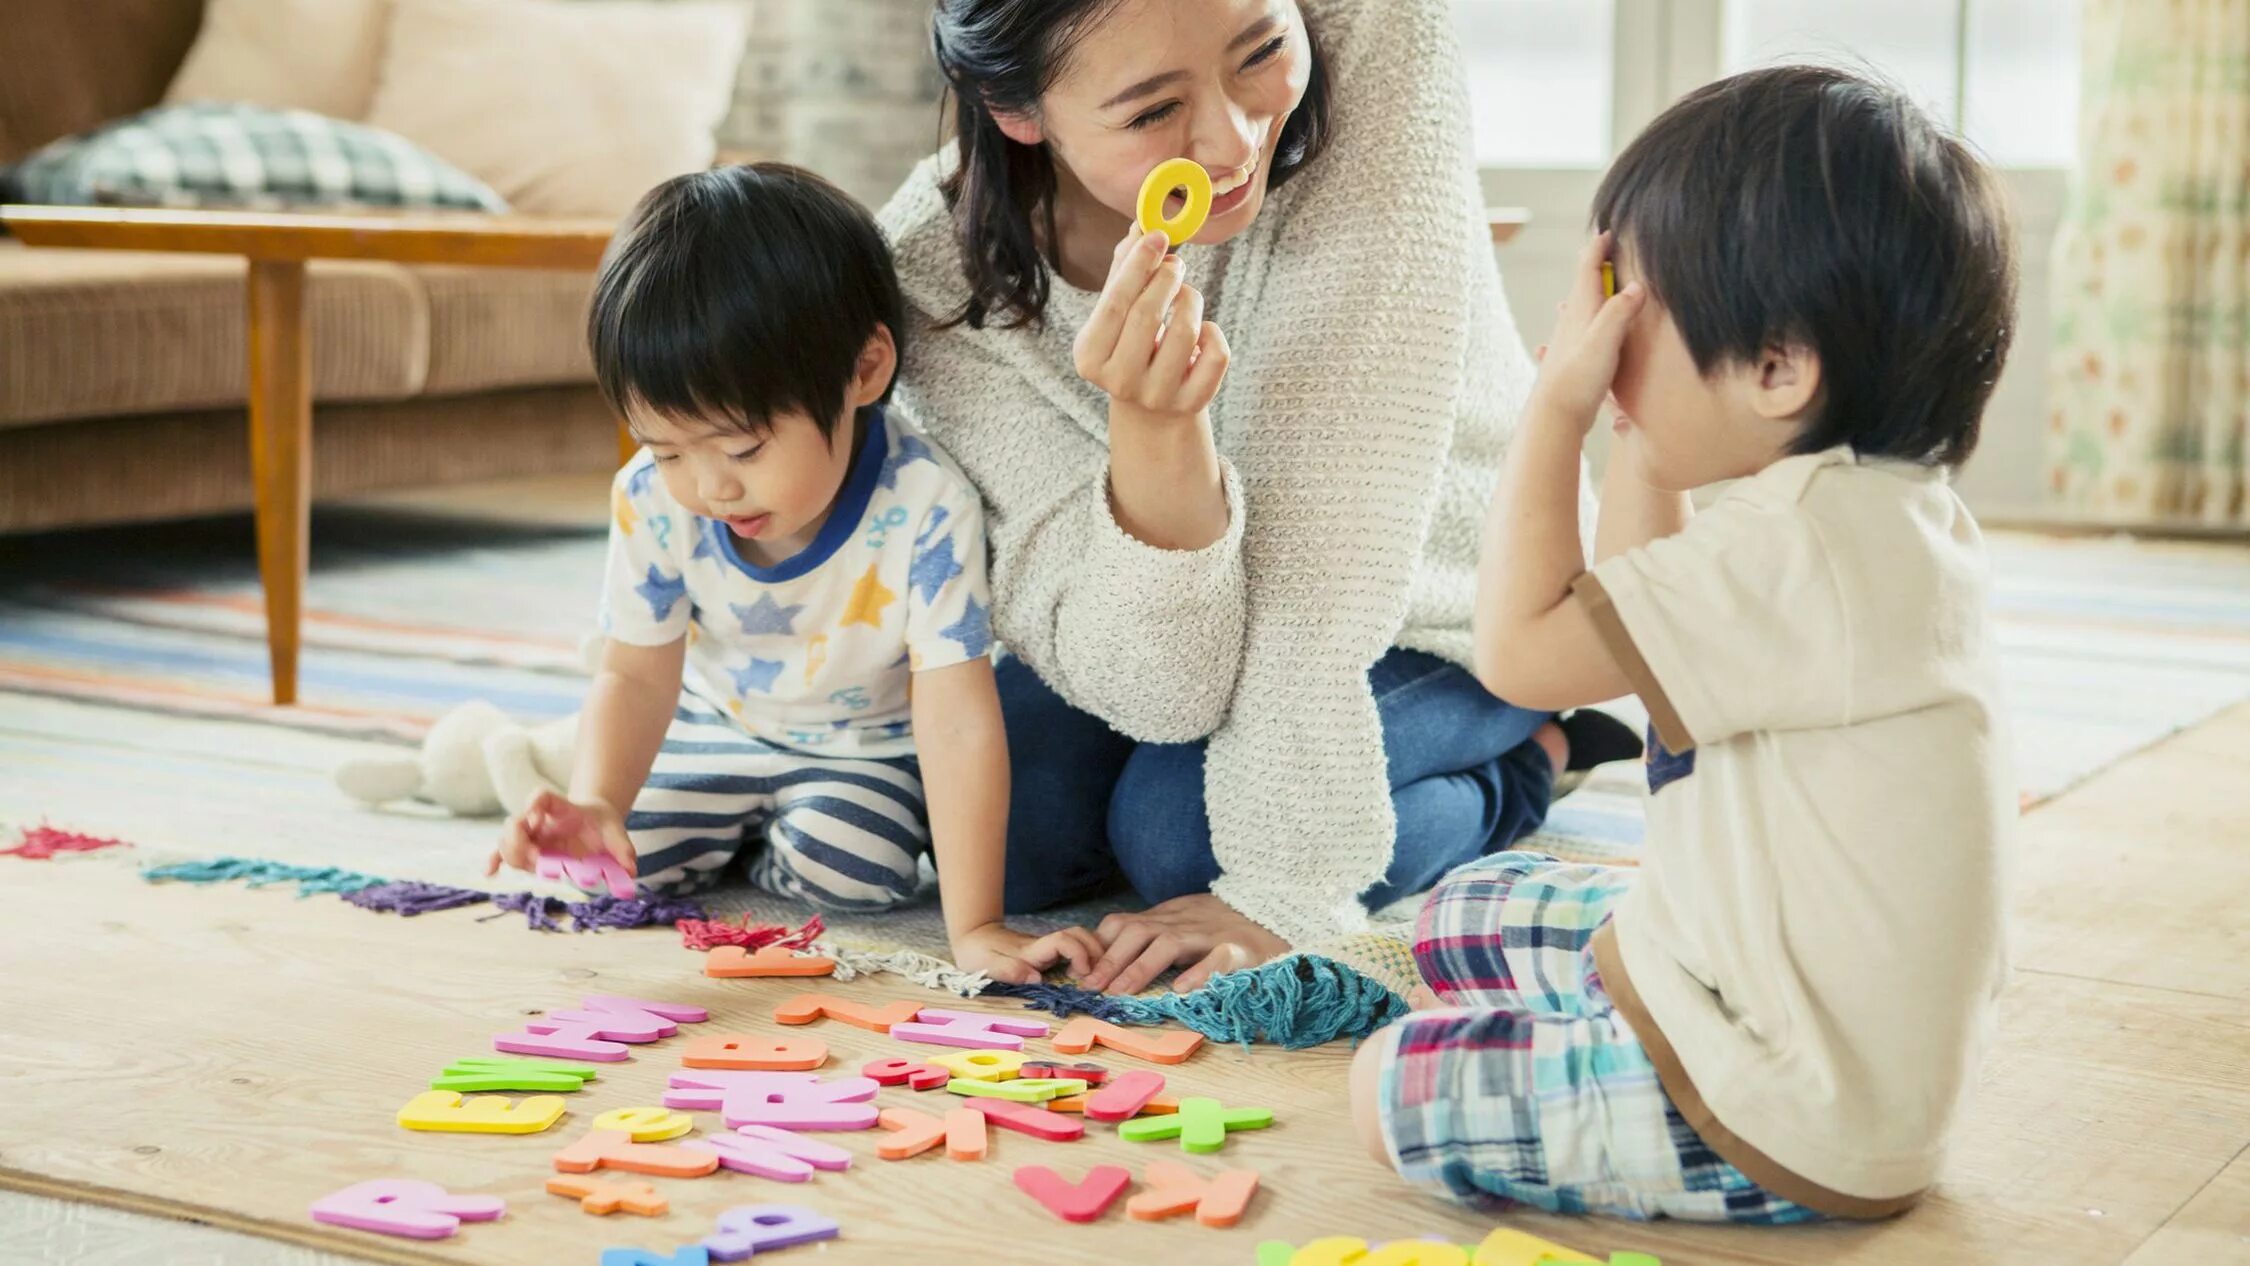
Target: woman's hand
x=1579 y=360
x=552 y=824
x=1200 y=930
x=1005 y=954
x=1147 y=343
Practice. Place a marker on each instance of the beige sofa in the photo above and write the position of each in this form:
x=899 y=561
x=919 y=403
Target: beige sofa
x=122 y=376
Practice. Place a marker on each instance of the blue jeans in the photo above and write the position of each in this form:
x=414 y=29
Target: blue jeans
x=1091 y=807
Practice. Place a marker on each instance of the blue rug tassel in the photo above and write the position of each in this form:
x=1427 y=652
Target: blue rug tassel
x=1294 y=1002
x=259 y=874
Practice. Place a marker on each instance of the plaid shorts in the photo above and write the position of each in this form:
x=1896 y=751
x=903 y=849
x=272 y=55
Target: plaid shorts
x=1533 y=1090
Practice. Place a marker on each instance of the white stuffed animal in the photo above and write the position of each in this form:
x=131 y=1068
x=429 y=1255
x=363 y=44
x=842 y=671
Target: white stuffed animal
x=475 y=763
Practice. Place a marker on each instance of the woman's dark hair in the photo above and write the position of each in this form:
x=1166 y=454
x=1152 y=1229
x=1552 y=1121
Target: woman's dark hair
x=1809 y=205
x=1004 y=55
x=734 y=294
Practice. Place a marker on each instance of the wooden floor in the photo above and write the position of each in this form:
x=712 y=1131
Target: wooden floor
x=231 y=1055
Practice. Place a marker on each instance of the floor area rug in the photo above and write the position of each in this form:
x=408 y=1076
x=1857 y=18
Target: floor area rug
x=133 y=670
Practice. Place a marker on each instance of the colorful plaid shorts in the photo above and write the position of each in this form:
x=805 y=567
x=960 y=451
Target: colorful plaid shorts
x=1533 y=1090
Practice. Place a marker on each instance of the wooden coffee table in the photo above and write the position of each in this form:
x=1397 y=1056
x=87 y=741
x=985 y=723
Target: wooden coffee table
x=277 y=247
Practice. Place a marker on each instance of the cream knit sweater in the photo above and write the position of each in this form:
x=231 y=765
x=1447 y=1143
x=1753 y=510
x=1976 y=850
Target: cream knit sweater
x=1376 y=377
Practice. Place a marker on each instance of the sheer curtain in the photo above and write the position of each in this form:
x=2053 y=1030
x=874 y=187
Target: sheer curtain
x=2151 y=368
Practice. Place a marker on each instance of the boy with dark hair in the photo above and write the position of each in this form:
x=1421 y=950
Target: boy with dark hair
x=1777 y=1015
x=796 y=612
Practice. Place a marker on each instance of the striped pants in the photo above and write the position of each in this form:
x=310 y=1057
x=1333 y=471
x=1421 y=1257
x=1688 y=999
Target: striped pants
x=841 y=833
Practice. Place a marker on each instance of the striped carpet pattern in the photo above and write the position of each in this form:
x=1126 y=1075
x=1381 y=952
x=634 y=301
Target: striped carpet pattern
x=133 y=671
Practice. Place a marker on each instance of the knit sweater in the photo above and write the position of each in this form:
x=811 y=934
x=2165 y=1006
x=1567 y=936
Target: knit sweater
x=1376 y=377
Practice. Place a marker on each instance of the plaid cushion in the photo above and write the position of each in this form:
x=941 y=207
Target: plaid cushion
x=225 y=154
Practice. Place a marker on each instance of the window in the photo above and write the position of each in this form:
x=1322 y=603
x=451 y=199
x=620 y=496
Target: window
x=2004 y=72
x=1546 y=89
x=1539 y=80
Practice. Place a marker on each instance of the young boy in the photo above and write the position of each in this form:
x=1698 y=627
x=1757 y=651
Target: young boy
x=811 y=572
x=1776 y=1017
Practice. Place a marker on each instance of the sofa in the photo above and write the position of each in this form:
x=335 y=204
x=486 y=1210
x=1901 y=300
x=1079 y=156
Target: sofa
x=123 y=375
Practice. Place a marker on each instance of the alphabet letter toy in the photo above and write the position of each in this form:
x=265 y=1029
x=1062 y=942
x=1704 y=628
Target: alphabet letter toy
x=484 y=1072
x=645 y=1125
x=772 y=1153
x=1201 y=1125
x=965 y=1134
x=1158 y=1046
x=754 y=1228
x=1082 y=1201
x=594 y=872
x=691 y=1255
x=1174 y=1189
x=1024 y=1118
x=1509 y=1247
x=756 y=1054
x=612 y=1149
x=1016 y=1091
x=808 y=1007
x=1159 y=1106
x=1091 y=1074
x=728 y=961
x=798 y=1101
x=1123 y=1099
x=604 y=1196
x=485 y=1114
x=968 y=1028
x=405 y=1206
x=599 y=1029
x=892 y=1072
x=911 y=1133
x=982 y=1065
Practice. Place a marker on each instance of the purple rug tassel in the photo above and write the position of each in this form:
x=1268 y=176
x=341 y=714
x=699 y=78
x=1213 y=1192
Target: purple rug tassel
x=408 y=898
x=1065 y=1000
x=594 y=913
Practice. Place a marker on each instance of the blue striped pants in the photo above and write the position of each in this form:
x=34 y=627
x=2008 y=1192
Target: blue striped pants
x=841 y=833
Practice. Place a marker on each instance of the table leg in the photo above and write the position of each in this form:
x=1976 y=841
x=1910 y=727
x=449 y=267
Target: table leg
x=281 y=455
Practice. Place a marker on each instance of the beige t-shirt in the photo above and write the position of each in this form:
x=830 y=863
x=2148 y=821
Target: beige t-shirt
x=1818 y=927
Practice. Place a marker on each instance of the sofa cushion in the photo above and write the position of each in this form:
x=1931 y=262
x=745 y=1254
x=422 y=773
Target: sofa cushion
x=70 y=65
x=96 y=333
x=317 y=55
x=505 y=327
x=232 y=155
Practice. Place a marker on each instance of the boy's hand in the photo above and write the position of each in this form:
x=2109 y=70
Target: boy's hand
x=1011 y=956
x=552 y=824
x=1147 y=343
x=1580 y=358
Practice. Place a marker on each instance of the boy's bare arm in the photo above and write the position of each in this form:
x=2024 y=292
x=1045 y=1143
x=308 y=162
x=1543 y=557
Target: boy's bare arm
x=628 y=709
x=963 y=747
x=1535 y=647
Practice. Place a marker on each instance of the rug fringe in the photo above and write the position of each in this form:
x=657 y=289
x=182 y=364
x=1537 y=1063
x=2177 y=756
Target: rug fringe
x=258 y=874
x=41 y=842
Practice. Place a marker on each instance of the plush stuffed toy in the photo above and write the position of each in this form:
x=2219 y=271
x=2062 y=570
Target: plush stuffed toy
x=475 y=763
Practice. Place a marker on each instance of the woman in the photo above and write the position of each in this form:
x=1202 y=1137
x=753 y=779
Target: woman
x=1195 y=589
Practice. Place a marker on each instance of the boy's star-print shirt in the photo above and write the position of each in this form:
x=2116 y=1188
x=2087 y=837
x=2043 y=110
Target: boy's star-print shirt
x=814 y=652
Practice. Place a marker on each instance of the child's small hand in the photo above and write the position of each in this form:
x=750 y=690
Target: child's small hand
x=1005 y=954
x=1579 y=360
x=1147 y=343
x=552 y=824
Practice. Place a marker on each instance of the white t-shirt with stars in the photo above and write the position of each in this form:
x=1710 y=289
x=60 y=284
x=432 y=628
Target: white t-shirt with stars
x=813 y=653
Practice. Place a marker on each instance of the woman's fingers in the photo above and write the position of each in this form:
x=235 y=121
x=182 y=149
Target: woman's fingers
x=1136 y=343
x=1177 y=351
x=1162 y=954
x=1136 y=264
x=1227 y=957
x=1124 y=946
x=1212 y=358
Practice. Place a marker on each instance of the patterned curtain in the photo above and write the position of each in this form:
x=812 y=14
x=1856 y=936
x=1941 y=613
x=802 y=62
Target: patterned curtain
x=2151 y=371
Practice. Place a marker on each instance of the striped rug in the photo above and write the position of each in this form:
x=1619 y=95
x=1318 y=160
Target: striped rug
x=133 y=671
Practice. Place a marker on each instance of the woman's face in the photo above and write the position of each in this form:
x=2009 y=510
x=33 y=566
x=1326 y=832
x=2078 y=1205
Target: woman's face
x=1209 y=80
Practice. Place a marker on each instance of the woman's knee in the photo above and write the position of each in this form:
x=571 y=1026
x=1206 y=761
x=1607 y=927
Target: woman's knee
x=1157 y=823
